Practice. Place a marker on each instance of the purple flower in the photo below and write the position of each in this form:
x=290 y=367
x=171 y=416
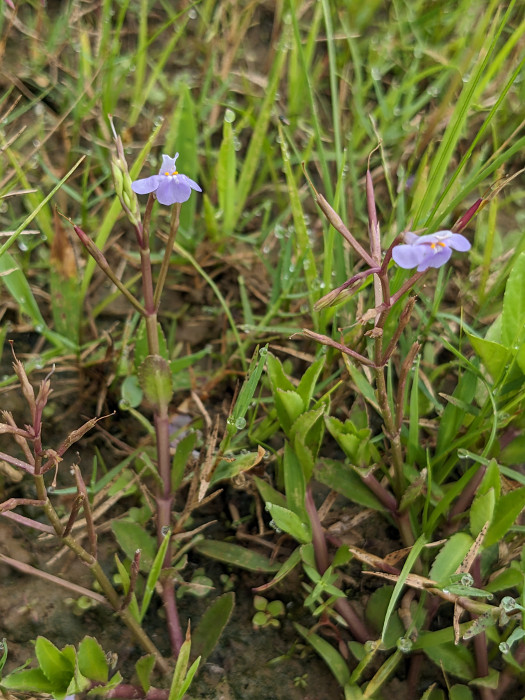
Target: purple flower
x=433 y=250
x=169 y=185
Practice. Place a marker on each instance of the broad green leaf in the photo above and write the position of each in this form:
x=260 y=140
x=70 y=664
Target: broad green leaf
x=454 y=659
x=289 y=407
x=180 y=671
x=355 y=442
x=306 y=386
x=306 y=458
x=287 y=521
x=144 y=668
x=230 y=467
x=28 y=681
x=491 y=480
x=493 y=355
x=276 y=374
x=131 y=392
x=211 y=625
x=520 y=357
x=376 y=608
x=131 y=537
x=56 y=666
x=180 y=458
x=294 y=482
x=510 y=578
x=268 y=493
x=506 y=512
x=342 y=478
x=92 y=661
x=513 y=314
x=328 y=653
x=450 y=557
x=308 y=431
x=481 y=511
x=155 y=381
x=234 y=555
x=452 y=417
x=460 y=692
x=182 y=137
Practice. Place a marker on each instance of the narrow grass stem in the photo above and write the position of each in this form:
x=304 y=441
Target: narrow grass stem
x=342 y=605
x=164 y=498
x=174 y=227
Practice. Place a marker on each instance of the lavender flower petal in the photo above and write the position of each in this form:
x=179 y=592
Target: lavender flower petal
x=171 y=190
x=146 y=185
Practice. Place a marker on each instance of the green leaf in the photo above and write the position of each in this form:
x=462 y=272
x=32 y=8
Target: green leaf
x=493 y=355
x=3 y=658
x=308 y=429
x=226 y=172
x=144 y=668
x=155 y=380
x=228 y=468
x=182 y=137
x=450 y=556
x=513 y=314
x=510 y=578
x=29 y=681
x=181 y=363
x=56 y=666
x=234 y=555
x=289 y=522
x=342 y=478
x=180 y=458
x=126 y=583
x=153 y=575
x=250 y=384
x=212 y=625
x=276 y=374
x=460 y=692
x=481 y=511
x=289 y=407
x=328 y=653
x=454 y=659
x=131 y=537
x=286 y=567
x=375 y=613
x=294 y=482
x=268 y=493
x=506 y=511
x=491 y=480
x=306 y=386
x=131 y=392
x=92 y=661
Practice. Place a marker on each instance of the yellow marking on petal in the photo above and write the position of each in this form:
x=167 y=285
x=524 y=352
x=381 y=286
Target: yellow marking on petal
x=443 y=245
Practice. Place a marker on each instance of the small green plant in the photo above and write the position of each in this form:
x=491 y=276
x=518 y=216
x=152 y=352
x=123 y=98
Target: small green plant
x=64 y=672
x=267 y=612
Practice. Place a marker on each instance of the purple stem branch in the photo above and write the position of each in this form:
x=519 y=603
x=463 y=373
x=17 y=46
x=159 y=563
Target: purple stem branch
x=342 y=605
